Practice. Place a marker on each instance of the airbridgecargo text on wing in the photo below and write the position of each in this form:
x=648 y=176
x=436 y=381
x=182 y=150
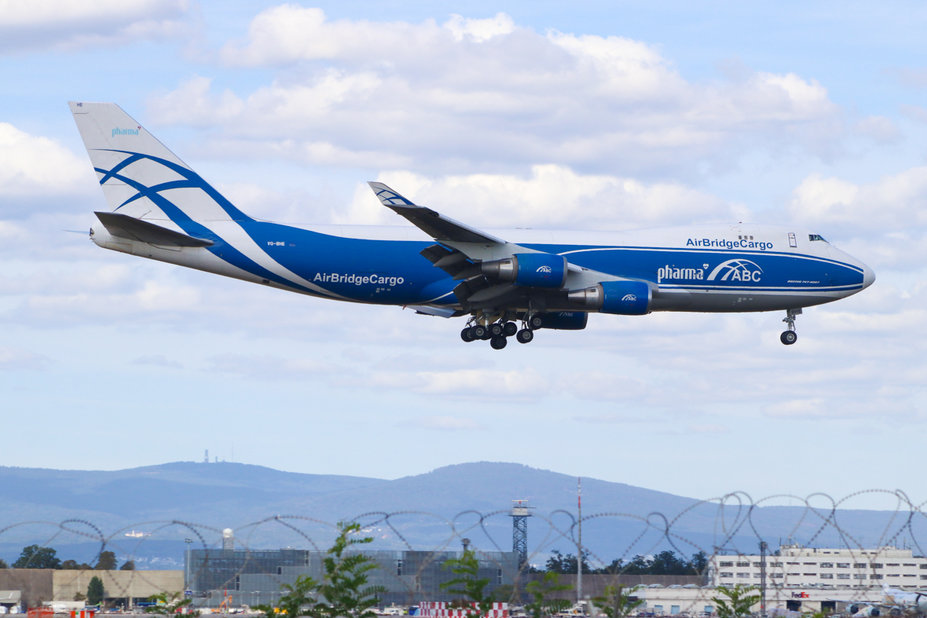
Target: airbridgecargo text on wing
x=356 y=279
x=724 y=243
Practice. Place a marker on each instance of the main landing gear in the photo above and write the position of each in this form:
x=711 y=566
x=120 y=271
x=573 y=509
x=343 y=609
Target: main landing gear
x=498 y=331
x=788 y=337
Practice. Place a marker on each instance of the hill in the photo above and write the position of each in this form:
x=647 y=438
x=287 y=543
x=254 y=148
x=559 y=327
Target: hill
x=151 y=514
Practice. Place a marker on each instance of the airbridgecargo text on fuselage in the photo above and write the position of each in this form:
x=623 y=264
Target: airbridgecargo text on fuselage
x=724 y=243
x=356 y=279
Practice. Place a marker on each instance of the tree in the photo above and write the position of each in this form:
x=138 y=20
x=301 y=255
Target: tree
x=566 y=565
x=95 y=591
x=735 y=602
x=35 y=557
x=344 y=585
x=699 y=562
x=80 y=596
x=616 y=603
x=72 y=565
x=468 y=584
x=128 y=565
x=343 y=590
x=168 y=603
x=300 y=599
x=3 y=564
x=106 y=561
x=541 y=605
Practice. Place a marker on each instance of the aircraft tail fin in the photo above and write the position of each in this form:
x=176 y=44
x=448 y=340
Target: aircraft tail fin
x=140 y=176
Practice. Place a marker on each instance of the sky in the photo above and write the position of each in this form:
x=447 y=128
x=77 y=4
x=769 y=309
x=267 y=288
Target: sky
x=615 y=115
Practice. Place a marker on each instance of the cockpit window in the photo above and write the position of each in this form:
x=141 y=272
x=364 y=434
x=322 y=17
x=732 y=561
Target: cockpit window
x=814 y=237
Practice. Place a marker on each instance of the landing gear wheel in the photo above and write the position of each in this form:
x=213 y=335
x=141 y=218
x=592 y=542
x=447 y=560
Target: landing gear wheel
x=478 y=331
x=509 y=329
x=498 y=342
x=535 y=322
x=524 y=336
x=790 y=336
x=467 y=334
x=496 y=329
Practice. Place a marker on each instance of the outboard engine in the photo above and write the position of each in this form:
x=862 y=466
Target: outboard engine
x=619 y=297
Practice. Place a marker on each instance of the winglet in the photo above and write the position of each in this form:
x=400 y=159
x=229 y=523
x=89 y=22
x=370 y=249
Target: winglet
x=387 y=196
x=431 y=222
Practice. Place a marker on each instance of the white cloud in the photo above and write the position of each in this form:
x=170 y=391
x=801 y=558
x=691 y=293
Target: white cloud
x=32 y=165
x=893 y=203
x=479 y=30
x=14 y=359
x=489 y=384
x=267 y=367
x=552 y=196
x=66 y=24
x=487 y=93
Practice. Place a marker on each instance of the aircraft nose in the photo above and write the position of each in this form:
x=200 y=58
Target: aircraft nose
x=868 y=276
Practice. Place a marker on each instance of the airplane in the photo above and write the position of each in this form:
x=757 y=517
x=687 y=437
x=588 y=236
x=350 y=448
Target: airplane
x=895 y=601
x=159 y=208
x=904 y=600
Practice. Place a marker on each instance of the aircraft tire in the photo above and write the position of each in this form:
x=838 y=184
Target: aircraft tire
x=498 y=342
x=788 y=337
x=466 y=334
x=496 y=329
x=478 y=331
x=535 y=322
x=509 y=329
x=524 y=336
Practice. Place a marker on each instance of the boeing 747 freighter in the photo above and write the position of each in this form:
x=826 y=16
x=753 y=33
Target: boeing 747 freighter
x=505 y=284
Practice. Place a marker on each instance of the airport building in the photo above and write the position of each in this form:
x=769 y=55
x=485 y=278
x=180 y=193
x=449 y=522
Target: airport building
x=24 y=588
x=236 y=577
x=794 y=566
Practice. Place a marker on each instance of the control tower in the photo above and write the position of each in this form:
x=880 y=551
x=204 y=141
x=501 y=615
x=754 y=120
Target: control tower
x=520 y=515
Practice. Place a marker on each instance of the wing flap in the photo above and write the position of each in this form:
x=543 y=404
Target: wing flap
x=132 y=228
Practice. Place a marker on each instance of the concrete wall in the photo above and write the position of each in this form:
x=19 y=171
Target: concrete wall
x=594 y=585
x=36 y=585
x=117 y=584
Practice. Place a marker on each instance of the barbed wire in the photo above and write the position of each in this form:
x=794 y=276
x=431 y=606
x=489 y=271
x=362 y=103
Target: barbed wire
x=730 y=525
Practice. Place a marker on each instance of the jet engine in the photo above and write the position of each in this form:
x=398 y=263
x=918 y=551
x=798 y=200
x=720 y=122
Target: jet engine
x=563 y=320
x=540 y=270
x=619 y=297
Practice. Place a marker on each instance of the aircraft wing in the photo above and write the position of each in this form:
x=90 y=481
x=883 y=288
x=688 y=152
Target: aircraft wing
x=429 y=221
x=477 y=260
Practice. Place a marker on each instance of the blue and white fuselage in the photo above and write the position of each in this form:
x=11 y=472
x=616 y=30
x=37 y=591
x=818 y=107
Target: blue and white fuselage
x=161 y=209
x=384 y=265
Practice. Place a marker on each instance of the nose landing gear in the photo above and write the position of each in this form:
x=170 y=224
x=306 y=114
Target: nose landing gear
x=788 y=337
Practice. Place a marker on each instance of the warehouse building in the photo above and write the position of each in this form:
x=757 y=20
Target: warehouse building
x=236 y=577
x=794 y=566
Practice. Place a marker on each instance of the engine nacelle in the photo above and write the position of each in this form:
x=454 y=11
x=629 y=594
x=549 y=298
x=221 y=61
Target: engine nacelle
x=564 y=320
x=539 y=270
x=620 y=297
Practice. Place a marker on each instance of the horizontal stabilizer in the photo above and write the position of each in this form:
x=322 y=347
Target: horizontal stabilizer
x=132 y=228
